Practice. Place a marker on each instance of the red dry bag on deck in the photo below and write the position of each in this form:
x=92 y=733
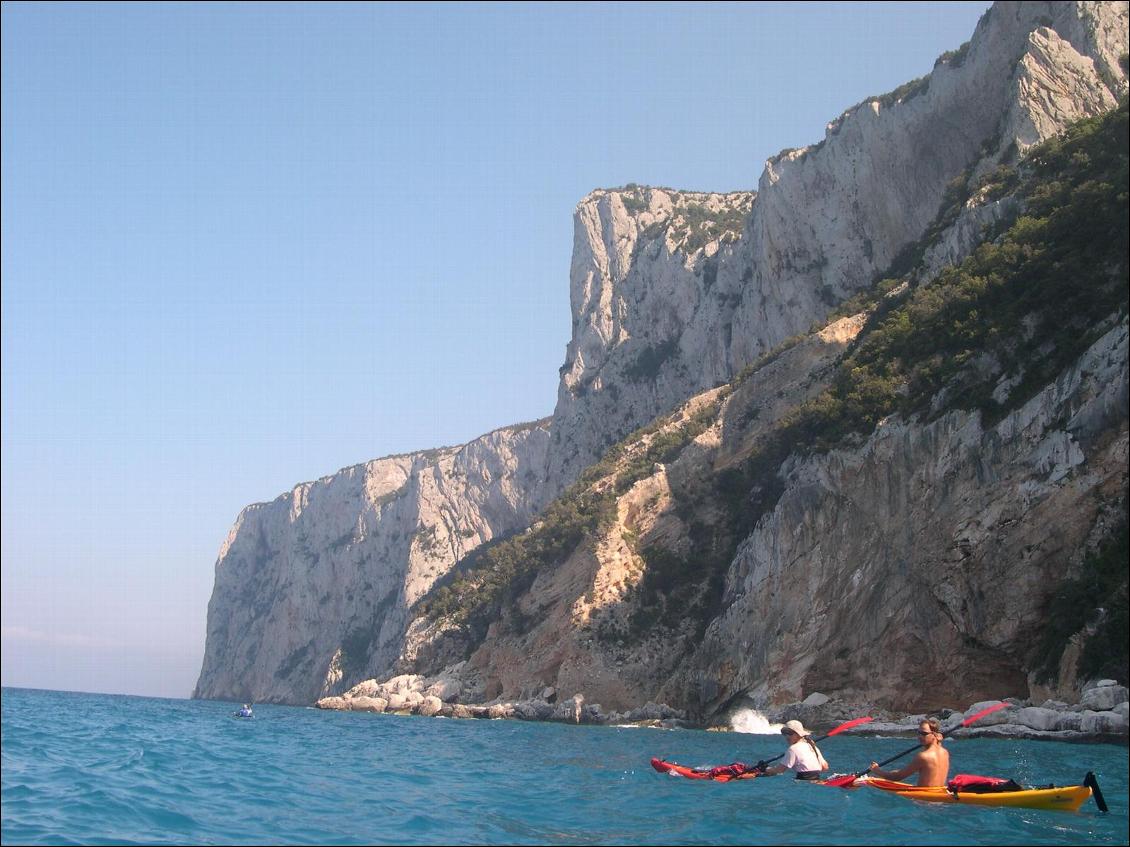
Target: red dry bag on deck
x=969 y=783
x=733 y=771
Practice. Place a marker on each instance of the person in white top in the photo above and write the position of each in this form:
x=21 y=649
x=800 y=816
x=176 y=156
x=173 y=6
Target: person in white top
x=803 y=756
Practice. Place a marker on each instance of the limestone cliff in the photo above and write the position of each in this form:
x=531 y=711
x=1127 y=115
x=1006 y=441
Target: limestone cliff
x=884 y=509
x=673 y=294
x=312 y=589
x=908 y=571
x=648 y=306
x=916 y=565
x=660 y=313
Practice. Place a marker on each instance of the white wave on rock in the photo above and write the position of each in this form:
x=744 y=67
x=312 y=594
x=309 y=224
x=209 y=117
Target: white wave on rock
x=753 y=722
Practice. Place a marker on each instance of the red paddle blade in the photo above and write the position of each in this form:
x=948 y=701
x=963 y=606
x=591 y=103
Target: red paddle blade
x=848 y=725
x=996 y=707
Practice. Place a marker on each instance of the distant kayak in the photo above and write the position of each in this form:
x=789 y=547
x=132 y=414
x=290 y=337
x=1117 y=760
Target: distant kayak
x=1068 y=798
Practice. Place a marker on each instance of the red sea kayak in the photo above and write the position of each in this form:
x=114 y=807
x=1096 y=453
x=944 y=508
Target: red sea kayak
x=738 y=770
x=720 y=773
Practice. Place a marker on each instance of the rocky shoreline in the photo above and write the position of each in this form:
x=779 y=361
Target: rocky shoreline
x=1100 y=715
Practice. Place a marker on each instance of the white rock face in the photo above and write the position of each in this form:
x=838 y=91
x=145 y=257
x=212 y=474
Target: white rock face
x=1055 y=85
x=918 y=561
x=569 y=604
x=911 y=566
x=673 y=293
x=659 y=317
x=1104 y=723
x=643 y=287
x=313 y=590
x=1035 y=717
x=1104 y=699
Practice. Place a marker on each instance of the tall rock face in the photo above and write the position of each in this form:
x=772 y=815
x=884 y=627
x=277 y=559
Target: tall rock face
x=313 y=589
x=583 y=626
x=673 y=293
x=907 y=571
x=913 y=568
x=663 y=310
x=651 y=316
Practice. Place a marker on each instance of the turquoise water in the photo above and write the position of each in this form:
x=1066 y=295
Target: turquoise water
x=96 y=769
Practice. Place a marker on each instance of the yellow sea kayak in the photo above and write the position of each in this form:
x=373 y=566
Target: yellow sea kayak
x=1068 y=798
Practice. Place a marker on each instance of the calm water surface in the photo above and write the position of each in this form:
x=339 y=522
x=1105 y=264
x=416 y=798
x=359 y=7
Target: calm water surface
x=97 y=769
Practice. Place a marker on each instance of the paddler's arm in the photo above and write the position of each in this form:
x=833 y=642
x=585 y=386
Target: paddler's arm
x=902 y=773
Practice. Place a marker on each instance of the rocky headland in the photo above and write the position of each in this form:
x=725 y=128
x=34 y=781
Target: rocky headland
x=862 y=431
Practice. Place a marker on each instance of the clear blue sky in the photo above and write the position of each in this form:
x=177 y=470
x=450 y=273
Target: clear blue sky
x=245 y=246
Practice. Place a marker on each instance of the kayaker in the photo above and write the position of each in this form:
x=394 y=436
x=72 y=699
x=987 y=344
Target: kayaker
x=803 y=756
x=932 y=764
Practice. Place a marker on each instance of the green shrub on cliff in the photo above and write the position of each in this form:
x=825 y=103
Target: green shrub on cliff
x=1028 y=303
x=495 y=575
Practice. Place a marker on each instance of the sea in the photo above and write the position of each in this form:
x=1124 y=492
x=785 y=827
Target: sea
x=108 y=769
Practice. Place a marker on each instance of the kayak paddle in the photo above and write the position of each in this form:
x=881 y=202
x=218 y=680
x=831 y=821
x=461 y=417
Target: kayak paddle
x=842 y=727
x=848 y=780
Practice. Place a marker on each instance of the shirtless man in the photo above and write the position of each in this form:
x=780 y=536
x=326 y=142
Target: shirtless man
x=932 y=764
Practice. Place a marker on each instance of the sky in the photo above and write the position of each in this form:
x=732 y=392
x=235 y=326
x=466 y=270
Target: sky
x=246 y=245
